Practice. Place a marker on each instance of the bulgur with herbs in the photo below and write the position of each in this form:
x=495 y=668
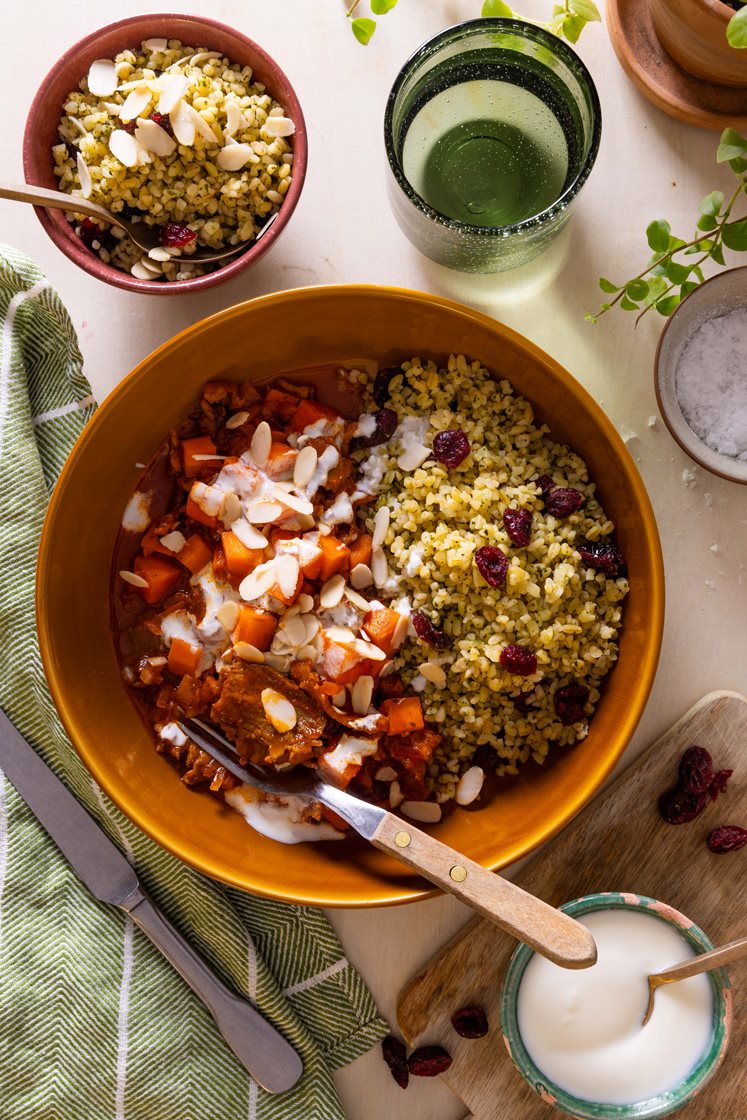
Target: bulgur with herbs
x=177 y=137
x=406 y=601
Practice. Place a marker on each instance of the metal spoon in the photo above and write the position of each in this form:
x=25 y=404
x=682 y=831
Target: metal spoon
x=550 y=932
x=146 y=237
x=715 y=958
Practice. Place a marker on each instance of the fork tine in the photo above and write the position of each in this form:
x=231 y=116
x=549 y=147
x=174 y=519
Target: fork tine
x=218 y=747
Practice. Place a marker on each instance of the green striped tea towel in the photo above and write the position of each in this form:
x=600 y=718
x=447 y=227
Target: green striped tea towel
x=94 y=1024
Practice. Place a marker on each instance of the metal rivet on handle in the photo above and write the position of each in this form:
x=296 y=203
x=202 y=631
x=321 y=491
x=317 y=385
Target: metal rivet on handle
x=458 y=873
x=402 y=839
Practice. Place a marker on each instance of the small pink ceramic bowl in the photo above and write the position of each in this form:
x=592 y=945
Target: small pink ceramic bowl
x=46 y=110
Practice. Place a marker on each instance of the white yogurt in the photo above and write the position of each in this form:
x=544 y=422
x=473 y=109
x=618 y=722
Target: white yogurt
x=280 y=822
x=583 y=1028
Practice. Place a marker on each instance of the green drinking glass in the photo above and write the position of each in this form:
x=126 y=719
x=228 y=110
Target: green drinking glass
x=491 y=129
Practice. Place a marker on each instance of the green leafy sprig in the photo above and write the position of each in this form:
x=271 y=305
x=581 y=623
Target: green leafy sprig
x=736 y=29
x=569 y=18
x=669 y=275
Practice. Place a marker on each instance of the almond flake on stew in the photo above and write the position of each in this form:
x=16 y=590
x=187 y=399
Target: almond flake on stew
x=411 y=459
x=124 y=147
x=381 y=524
x=379 y=567
x=361 y=576
x=237 y=419
x=366 y=650
x=426 y=811
x=400 y=631
x=305 y=466
x=342 y=635
x=133 y=579
x=433 y=672
x=86 y=182
x=313 y=626
x=305 y=603
x=288 y=571
x=332 y=592
x=294 y=630
x=175 y=541
x=469 y=786
x=396 y=796
x=232 y=511
x=258 y=582
x=102 y=77
x=248 y=652
x=356 y=600
x=361 y=695
x=385 y=774
x=247 y=534
x=262 y=511
x=227 y=615
x=279 y=711
x=293 y=501
x=259 y=448
x=202 y=458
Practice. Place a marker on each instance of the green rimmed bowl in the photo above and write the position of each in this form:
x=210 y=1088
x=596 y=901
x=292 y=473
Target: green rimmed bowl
x=664 y=1103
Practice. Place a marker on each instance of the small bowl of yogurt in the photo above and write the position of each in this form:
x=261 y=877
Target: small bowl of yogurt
x=699 y=375
x=577 y=1036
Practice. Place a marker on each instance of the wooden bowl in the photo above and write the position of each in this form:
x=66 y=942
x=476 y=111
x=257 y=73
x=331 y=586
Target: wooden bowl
x=263 y=338
x=693 y=33
x=46 y=110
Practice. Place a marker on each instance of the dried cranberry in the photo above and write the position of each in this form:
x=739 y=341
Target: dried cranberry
x=718 y=785
x=382 y=381
x=451 y=447
x=523 y=702
x=470 y=1022
x=563 y=501
x=427 y=632
x=177 y=234
x=519 y=660
x=129 y=126
x=679 y=806
x=486 y=758
x=395 y=1056
x=89 y=232
x=518 y=524
x=696 y=770
x=544 y=483
x=727 y=838
x=603 y=557
x=386 y=424
x=492 y=565
x=162 y=121
x=429 y=1061
x=569 y=703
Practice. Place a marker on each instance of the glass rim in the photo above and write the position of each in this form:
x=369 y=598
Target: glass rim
x=554 y=43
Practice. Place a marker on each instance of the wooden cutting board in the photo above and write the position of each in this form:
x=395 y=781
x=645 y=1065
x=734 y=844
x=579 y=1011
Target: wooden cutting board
x=618 y=843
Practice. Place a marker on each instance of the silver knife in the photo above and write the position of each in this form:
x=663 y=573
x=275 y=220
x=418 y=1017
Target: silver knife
x=109 y=877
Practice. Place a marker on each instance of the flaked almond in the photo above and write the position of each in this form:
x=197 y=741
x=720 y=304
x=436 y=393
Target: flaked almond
x=134 y=104
x=277 y=661
x=175 y=541
x=279 y=711
x=232 y=511
x=367 y=650
x=133 y=579
x=263 y=511
x=203 y=457
x=141 y=272
x=339 y=698
x=379 y=567
x=332 y=592
x=411 y=459
x=203 y=56
x=385 y=774
x=201 y=126
x=124 y=147
x=259 y=448
x=361 y=576
x=469 y=786
x=228 y=615
x=305 y=603
x=237 y=420
x=172 y=93
x=396 y=796
x=154 y=138
x=313 y=626
x=247 y=534
x=342 y=635
x=288 y=571
x=401 y=631
x=86 y=182
x=182 y=125
x=294 y=630
x=234 y=156
x=248 y=652
x=381 y=525
x=304 y=466
x=235 y=119
x=361 y=695
x=279 y=126
x=434 y=673
x=356 y=600
x=308 y=653
x=426 y=811
x=155 y=44
x=160 y=253
x=293 y=501
x=258 y=582
x=102 y=77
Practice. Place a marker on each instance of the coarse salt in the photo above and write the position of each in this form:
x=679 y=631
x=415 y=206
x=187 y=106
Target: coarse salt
x=710 y=384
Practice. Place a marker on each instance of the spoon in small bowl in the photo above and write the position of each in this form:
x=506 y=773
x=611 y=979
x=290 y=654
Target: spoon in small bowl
x=715 y=958
x=146 y=237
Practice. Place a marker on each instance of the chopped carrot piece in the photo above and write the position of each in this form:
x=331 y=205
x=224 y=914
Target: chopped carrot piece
x=219 y=562
x=240 y=560
x=160 y=574
x=404 y=715
x=337 y=822
x=281 y=459
x=279 y=406
x=308 y=412
x=364 y=668
x=195 y=554
x=151 y=543
x=288 y=600
x=380 y=625
x=281 y=535
x=197 y=514
x=255 y=627
x=361 y=551
x=329 y=688
x=335 y=557
x=184 y=658
x=200 y=445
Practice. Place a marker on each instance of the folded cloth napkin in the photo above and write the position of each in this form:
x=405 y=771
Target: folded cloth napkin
x=94 y=1023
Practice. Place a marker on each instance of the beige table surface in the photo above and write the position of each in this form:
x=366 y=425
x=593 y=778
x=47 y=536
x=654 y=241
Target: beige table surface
x=649 y=166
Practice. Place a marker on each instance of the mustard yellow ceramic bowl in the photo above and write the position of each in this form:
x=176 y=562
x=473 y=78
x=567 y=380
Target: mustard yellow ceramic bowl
x=261 y=339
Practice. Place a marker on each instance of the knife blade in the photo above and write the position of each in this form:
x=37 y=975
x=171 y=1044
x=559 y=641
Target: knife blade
x=260 y=1048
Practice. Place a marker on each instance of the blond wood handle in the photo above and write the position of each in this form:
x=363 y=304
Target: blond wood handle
x=550 y=932
x=57 y=200
x=715 y=958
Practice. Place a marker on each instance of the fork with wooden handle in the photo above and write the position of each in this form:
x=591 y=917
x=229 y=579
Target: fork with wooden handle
x=550 y=932
x=693 y=966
